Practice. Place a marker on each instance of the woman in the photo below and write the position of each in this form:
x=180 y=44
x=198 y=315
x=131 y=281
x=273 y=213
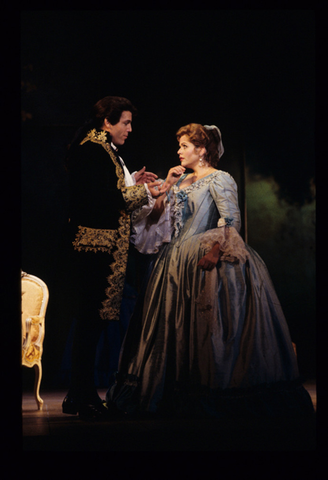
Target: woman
x=211 y=338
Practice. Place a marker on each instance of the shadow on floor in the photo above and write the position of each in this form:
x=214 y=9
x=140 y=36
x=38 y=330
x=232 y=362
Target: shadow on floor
x=50 y=430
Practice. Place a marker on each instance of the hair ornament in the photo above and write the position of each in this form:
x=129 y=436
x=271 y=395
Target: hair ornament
x=220 y=146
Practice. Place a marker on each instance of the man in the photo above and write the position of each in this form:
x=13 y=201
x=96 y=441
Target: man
x=103 y=194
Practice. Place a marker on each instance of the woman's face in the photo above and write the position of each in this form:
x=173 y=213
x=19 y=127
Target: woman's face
x=188 y=154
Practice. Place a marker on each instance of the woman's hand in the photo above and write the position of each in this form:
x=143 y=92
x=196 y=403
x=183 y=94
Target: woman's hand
x=157 y=188
x=174 y=174
x=209 y=261
x=172 y=177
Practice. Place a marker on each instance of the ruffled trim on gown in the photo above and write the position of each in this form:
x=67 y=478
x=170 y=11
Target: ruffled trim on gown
x=148 y=236
x=232 y=246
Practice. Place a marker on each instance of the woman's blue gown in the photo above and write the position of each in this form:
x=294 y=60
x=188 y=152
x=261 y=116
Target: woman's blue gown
x=208 y=343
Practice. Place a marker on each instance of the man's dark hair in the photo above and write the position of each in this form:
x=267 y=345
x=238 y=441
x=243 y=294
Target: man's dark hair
x=111 y=108
x=107 y=107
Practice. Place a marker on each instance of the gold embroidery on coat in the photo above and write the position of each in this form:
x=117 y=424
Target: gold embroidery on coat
x=95 y=239
x=97 y=136
x=134 y=196
x=90 y=239
x=114 y=292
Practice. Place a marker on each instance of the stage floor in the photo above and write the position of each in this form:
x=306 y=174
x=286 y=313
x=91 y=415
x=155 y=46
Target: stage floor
x=51 y=430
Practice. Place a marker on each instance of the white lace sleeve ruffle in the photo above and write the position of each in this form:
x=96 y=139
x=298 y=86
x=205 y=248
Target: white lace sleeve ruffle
x=232 y=245
x=148 y=236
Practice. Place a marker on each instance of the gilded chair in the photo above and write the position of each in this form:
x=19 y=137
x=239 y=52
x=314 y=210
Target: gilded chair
x=34 y=304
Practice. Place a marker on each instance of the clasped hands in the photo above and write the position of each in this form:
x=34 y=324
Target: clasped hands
x=150 y=178
x=156 y=188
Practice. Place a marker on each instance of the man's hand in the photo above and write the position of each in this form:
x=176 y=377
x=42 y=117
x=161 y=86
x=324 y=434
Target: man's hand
x=144 y=177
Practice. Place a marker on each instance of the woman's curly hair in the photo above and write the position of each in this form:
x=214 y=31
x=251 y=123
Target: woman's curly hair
x=202 y=137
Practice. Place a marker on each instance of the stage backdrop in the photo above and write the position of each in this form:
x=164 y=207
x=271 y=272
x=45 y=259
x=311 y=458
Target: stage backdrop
x=250 y=72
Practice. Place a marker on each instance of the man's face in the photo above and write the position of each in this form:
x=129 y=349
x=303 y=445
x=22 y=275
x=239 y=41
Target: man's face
x=120 y=131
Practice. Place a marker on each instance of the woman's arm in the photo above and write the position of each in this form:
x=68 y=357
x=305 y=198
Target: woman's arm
x=158 y=208
x=172 y=178
x=224 y=242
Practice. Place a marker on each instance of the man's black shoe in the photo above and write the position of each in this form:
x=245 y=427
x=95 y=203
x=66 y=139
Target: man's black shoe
x=97 y=411
x=69 y=406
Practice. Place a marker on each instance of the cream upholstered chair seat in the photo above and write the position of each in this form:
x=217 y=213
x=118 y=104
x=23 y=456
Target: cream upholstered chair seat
x=35 y=297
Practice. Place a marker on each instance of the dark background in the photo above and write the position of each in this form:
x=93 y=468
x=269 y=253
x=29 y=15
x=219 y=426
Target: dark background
x=251 y=72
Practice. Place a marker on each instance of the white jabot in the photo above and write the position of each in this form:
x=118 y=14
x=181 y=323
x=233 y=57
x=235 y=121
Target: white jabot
x=130 y=179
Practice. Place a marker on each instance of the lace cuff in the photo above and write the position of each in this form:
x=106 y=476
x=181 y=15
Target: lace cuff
x=148 y=236
x=232 y=245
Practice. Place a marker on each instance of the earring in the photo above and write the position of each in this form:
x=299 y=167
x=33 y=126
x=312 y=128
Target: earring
x=201 y=162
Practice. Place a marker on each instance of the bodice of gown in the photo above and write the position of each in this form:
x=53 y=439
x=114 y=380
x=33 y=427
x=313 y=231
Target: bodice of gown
x=198 y=207
x=188 y=211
